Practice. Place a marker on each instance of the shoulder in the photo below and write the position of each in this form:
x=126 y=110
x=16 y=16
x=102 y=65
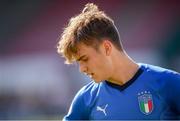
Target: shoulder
x=88 y=93
x=160 y=78
x=165 y=82
x=82 y=102
x=159 y=72
x=87 y=88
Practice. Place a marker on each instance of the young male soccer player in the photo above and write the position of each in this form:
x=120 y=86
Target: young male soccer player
x=122 y=88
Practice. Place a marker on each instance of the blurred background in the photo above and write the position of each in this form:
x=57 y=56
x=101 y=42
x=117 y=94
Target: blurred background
x=35 y=83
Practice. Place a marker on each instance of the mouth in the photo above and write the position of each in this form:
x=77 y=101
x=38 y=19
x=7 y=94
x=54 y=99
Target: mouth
x=90 y=75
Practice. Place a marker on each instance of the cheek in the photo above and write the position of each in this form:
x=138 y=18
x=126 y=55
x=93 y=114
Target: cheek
x=99 y=65
x=106 y=68
x=102 y=67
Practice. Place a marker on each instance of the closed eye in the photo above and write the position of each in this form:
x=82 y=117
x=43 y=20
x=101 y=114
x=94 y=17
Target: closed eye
x=85 y=59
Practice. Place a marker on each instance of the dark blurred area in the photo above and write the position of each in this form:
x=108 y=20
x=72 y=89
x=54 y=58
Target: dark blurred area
x=35 y=83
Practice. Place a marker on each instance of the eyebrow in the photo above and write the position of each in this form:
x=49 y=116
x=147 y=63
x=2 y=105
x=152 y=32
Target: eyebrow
x=80 y=58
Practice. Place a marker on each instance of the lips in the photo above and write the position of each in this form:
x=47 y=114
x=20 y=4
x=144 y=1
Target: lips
x=90 y=74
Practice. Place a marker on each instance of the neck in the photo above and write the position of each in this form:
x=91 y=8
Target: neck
x=124 y=68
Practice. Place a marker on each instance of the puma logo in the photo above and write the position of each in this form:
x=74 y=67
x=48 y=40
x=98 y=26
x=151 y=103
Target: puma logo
x=102 y=109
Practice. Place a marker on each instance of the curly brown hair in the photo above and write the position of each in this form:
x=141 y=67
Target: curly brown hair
x=90 y=27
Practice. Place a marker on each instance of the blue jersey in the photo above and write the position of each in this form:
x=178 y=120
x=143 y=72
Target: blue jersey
x=153 y=93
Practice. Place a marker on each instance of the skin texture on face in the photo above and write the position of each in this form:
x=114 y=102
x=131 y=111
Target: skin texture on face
x=95 y=63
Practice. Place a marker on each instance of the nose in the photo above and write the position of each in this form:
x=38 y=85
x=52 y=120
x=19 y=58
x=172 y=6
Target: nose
x=82 y=68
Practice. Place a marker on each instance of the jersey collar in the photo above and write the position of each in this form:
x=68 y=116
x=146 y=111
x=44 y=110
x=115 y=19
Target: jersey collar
x=128 y=83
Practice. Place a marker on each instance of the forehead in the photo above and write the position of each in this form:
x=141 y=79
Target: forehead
x=83 y=49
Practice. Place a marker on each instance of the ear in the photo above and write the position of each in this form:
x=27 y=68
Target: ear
x=107 y=47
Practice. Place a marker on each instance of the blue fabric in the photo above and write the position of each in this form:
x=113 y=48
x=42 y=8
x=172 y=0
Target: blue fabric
x=106 y=101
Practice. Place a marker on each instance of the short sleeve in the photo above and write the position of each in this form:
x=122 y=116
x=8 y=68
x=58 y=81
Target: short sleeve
x=174 y=83
x=78 y=110
x=172 y=91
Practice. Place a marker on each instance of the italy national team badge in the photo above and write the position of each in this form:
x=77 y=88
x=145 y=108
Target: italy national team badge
x=145 y=102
